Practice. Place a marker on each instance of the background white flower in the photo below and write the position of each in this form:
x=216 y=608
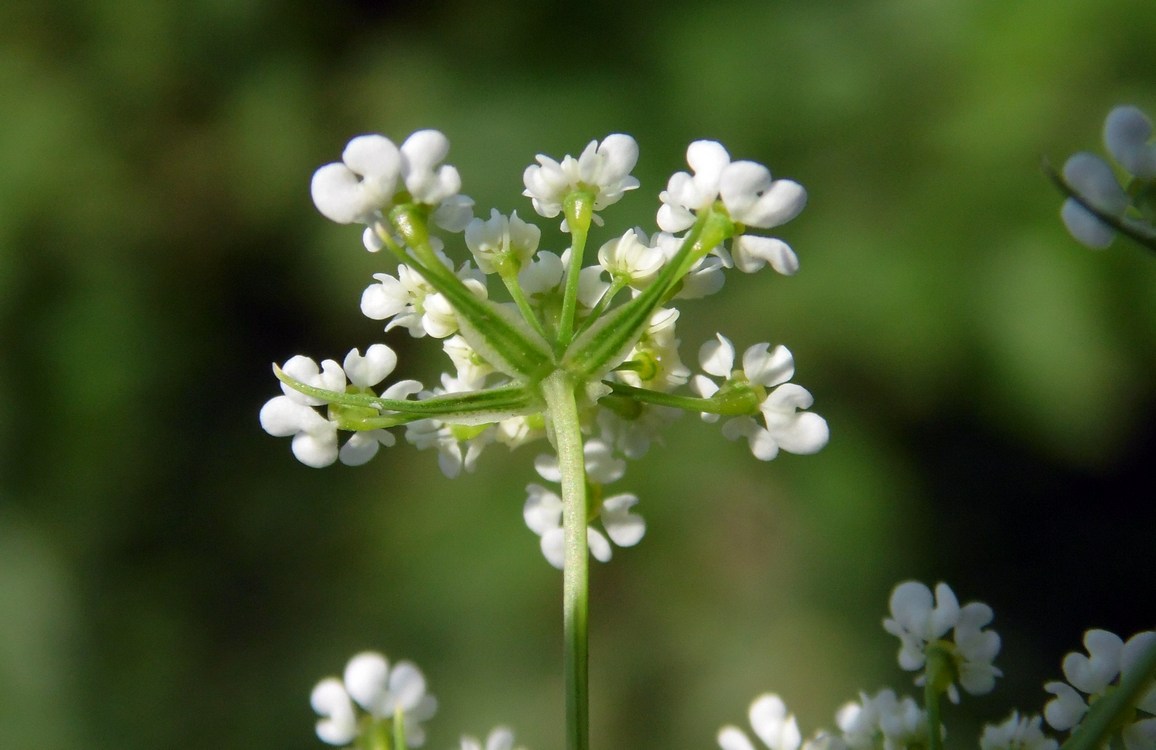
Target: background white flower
x=1107 y=659
x=1127 y=136
x=1016 y=733
x=786 y=424
x=379 y=691
x=500 y=738
x=919 y=621
x=771 y=723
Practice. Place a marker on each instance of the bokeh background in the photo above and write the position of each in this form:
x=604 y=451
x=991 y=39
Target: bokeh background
x=171 y=577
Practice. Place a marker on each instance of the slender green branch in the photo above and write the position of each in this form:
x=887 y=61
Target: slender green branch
x=616 y=286
x=729 y=401
x=510 y=279
x=469 y=406
x=558 y=390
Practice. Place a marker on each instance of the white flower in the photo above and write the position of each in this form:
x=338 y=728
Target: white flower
x=315 y=436
x=1108 y=659
x=543 y=509
x=1016 y=733
x=630 y=259
x=899 y=723
x=656 y=355
x=362 y=185
x=501 y=240
x=379 y=691
x=500 y=738
x=449 y=438
x=1092 y=178
x=1127 y=135
x=409 y=301
x=470 y=366
x=771 y=723
x=785 y=425
x=919 y=621
x=750 y=196
x=603 y=169
x=705 y=276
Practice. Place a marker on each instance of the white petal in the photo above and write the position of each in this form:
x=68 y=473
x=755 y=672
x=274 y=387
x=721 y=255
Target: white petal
x=406 y=686
x=501 y=738
x=546 y=464
x=620 y=152
x=768 y=368
x=1127 y=131
x=542 y=511
x=366 y=677
x=553 y=547
x=626 y=529
x=281 y=416
x=732 y=738
x=752 y=198
x=600 y=548
x=1085 y=227
x=769 y=719
x=338 y=194
x=384 y=299
x=717 y=357
x=424 y=149
x=1140 y=735
x=372 y=156
x=1094 y=672
x=708 y=159
x=1093 y=179
x=318 y=447
x=752 y=252
x=339 y=725
x=703 y=386
x=674 y=218
x=363 y=446
x=378 y=362
x=1065 y=710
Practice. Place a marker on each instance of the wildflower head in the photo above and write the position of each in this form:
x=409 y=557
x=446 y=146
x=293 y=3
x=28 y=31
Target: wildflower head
x=371 y=699
x=1098 y=206
x=922 y=622
x=1092 y=676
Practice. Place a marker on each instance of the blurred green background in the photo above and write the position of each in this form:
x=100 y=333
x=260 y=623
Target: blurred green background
x=171 y=577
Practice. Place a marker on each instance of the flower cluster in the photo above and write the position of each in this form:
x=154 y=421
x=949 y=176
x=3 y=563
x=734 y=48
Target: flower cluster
x=921 y=620
x=608 y=328
x=1099 y=206
x=921 y=624
x=371 y=699
x=1109 y=660
x=543 y=508
x=881 y=722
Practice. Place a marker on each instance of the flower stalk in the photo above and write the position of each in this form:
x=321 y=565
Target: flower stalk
x=558 y=391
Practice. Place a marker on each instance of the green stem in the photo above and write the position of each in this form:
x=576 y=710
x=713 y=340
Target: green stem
x=579 y=208
x=931 y=697
x=558 y=390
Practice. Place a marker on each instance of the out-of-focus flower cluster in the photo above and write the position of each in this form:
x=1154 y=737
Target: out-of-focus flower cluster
x=1129 y=207
x=922 y=621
